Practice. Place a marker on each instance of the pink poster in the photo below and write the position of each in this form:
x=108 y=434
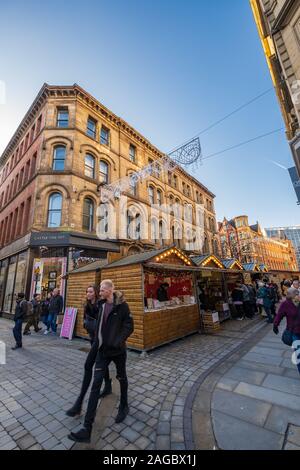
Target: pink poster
x=68 y=323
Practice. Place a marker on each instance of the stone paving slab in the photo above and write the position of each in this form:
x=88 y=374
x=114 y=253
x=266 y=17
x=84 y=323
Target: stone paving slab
x=41 y=381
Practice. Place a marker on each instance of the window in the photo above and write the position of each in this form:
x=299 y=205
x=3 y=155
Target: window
x=133 y=224
x=150 y=164
x=132 y=152
x=88 y=215
x=175 y=184
x=133 y=185
x=91 y=128
x=154 y=230
x=59 y=158
x=151 y=194
x=157 y=170
x=62 y=117
x=39 y=124
x=159 y=197
x=103 y=172
x=89 y=166
x=54 y=211
x=104 y=136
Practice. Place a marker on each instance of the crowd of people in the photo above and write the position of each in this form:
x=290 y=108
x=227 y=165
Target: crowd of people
x=259 y=297
x=34 y=311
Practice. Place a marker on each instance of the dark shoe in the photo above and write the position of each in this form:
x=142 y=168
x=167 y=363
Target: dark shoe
x=26 y=333
x=107 y=389
x=83 y=435
x=122 y=413
x=74 y=411
x=16 y=347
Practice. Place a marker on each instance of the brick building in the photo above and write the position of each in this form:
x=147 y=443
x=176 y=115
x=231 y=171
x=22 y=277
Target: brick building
x=67 y=146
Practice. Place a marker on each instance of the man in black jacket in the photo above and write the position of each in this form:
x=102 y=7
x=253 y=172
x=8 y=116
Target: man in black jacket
x=20 y=314
x=55 y=308
x=114 y=326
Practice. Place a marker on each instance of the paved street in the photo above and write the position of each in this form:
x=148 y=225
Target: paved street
x=41 y=381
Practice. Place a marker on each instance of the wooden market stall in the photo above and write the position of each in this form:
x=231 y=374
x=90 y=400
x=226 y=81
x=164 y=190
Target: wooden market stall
x=160 y=314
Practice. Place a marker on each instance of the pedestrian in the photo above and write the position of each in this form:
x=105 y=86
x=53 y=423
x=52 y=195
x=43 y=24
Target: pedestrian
x=296 y=285
x=290 y=310
x=246 y=301
x=55 y=308
x=91 y=311
x=20 y=315
x=45 y=309
x=114 y=326
x=34 y=318
x=286 y=285
x=266 y=295
x=252 y=295
x=237 y=296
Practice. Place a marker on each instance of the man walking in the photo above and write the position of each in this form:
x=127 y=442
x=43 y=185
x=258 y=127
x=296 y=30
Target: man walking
x=20 y=314
x=114 y=326
x=34 y=318
x=55 y=308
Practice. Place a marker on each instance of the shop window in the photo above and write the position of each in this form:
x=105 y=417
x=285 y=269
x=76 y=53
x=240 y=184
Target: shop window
x=88 y=215
x=3 y=269
x=62 y=117
x=89 y=166
x=59 y=158
x=54 y=211
x=47 y=275
x=103 y=172
x=9 y=289
x=20 y=277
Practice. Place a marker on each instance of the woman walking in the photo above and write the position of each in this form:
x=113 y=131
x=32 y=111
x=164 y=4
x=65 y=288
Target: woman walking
x=91 y=311
x=290 y=310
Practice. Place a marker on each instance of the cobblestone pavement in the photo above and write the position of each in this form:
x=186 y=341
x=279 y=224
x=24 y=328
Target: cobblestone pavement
x=40 y=382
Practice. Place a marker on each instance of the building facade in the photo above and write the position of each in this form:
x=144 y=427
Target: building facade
x=289 y=233
x=248 y=244
x=67 y=148
x=278 y=24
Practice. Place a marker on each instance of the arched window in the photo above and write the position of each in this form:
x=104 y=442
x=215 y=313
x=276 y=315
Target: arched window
x=154 y=230
x=89 y=166
x=151 y=194
x=162 y=232
x=59 y=158
x=54 y=211
x=103 y=172
x=133 y=184
x=159 y=197
x=177 y=208
x=133 y=224
x=88 y=215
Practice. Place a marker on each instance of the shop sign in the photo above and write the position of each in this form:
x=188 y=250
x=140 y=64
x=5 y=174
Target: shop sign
x=49 y=239
x=68 y=323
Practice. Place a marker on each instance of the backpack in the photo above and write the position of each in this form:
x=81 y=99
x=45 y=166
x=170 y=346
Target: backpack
x=29 y=309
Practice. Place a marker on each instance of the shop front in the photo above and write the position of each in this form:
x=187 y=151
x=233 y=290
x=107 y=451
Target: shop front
x=211 y=286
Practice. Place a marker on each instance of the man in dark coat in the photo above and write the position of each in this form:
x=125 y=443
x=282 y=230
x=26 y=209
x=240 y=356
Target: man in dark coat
x=114 y=326
x=34 y=319
x=55 y=308
x=20 y=314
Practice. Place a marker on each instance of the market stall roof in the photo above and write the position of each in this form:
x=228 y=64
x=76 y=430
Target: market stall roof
x=153 y=255
x=232 y=263
x=251 y=267
x=208 y=261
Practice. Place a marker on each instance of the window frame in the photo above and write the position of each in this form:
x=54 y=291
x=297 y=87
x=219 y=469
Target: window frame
x=55 y=159
x=86 y=166
x=51 y=211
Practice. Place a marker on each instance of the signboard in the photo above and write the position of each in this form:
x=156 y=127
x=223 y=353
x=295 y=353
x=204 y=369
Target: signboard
x=296 y=181
x=68 y=323
x=215 y=317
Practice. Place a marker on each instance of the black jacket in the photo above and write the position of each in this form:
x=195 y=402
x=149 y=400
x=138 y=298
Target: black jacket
x=56 y=304
x=118 y=328
x=237 y=295
x=21 y=310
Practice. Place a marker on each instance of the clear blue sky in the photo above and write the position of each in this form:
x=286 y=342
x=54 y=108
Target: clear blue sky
x=170 y=68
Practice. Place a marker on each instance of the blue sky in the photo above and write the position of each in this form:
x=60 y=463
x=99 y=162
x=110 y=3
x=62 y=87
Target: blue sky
x=170 y=68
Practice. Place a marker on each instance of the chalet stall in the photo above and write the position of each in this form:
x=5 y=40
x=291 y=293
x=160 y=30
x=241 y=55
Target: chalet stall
x=211 y=289
x=160 y=290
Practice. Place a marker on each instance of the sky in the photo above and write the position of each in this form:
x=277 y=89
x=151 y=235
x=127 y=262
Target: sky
x=170 y=68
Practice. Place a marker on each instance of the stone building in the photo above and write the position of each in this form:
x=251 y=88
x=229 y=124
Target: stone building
x=67 y=147
x=278 y=23
x=249 y=244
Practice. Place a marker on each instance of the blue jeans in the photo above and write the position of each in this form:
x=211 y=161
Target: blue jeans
x=51 y=322
x=17 y=331
x=297 y=354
